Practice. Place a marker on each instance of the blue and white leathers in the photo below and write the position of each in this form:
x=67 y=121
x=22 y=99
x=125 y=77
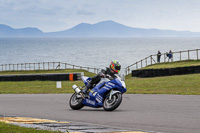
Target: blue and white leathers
x=106 y=88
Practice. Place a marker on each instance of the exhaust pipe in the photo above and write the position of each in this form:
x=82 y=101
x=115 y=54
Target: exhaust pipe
x=76 y=89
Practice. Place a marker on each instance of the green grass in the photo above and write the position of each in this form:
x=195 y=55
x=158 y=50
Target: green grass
x=180 y=84
x=9 y=128
x=46 y=71
x=39 y=87
x=183 y=84
x=174 y=64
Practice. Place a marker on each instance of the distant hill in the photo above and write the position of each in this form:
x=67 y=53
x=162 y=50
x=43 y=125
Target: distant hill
x=7 y=31
x=101 y=29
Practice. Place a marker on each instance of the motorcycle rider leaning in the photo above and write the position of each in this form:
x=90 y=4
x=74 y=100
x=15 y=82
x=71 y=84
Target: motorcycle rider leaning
x=114 y=68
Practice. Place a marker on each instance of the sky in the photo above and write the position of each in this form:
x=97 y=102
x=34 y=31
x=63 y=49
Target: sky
x=57 y=15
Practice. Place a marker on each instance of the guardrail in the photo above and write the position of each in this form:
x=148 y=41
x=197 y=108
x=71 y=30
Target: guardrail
x=42 y=77
x=44 y=66
x=152 y=59
x=144 y=73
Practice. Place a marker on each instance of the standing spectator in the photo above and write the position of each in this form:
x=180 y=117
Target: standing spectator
x=158 y=56
x=170 y=55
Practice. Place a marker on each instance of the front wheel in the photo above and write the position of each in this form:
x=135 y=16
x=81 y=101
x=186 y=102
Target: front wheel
x=75 y=101
x=113 y=103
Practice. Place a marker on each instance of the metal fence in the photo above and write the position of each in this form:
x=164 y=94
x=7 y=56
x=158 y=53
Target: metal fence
x=152 y=59
x=44 y=66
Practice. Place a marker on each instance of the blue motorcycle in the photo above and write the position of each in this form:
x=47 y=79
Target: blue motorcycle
x=107 y=94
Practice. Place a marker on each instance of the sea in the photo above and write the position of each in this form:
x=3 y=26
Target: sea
x=89 y=52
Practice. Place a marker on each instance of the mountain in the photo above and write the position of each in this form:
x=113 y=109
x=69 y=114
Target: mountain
x=101 y=29
x=7 y=31
x=113 y=29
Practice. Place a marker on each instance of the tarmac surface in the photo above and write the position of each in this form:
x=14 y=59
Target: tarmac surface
x=137 y=112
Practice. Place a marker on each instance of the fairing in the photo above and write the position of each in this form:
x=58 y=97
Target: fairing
x=99 y=92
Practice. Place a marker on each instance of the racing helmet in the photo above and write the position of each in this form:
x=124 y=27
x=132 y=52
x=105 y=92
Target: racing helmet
x=115 y=66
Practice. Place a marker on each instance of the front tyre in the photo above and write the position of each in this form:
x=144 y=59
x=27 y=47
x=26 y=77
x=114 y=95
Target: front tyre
x=75 y=102
x=113 y=103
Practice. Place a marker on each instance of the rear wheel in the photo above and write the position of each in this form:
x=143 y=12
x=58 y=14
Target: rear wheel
x=75 y=101
x=113 y=103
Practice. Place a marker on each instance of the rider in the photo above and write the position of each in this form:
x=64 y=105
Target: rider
x=114 y=68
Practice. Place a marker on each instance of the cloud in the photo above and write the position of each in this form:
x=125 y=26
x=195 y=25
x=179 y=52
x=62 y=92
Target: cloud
x=84 y=12
x=51 y=15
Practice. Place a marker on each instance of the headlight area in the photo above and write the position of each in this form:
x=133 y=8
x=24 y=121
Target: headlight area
x=123 y=84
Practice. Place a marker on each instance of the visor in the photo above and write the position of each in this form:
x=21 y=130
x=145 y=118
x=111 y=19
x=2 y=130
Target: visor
x=117 y=67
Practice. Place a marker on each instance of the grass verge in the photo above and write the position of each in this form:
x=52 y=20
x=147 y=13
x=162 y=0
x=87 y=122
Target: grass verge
x=180 y=84
x=39 y=87
x=9 y=128
x=175 y=64
x=47 y=71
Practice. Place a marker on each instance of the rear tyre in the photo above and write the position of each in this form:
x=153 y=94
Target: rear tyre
x=113 y=103
x=75 y=102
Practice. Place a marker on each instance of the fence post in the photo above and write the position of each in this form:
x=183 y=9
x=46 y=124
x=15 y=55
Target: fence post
x=97 y=70
x=164 y=57
x=197 y=55
x=146 y=61
x=151 y=59
x=48 y=65
x=180 y=55
x=188 y=54
x=58 y=66
x=136 y=65
x=128 y=70
x=43 y=66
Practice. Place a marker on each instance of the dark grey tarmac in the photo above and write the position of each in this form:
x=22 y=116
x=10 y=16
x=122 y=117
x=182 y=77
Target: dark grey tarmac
x=157 y=113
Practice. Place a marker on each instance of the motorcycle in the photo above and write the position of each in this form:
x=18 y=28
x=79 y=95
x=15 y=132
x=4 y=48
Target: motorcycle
x=107 y=94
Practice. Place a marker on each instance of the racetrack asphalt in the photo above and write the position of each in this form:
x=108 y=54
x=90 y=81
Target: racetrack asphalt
x=137 y=112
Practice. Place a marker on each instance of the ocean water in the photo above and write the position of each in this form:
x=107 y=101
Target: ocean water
x=89 y=52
